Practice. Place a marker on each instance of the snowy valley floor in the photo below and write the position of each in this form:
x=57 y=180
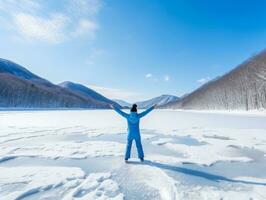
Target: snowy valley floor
x=78 y=155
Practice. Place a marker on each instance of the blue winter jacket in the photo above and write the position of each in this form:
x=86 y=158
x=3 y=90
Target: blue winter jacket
x=133 y=121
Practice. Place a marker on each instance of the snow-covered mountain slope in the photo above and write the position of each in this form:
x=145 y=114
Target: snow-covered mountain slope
x=87 y=92
x=123 y=103
x=243 y=88
x=21 y=88
x=10 y=67
x=17 y=92
x=160 y=101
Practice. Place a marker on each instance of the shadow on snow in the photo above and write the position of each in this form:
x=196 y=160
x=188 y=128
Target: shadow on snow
x=192 y=172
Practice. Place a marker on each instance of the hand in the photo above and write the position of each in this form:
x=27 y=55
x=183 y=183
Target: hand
x=154 y=106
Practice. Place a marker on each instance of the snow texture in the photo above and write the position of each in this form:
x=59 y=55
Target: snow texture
x=75 y=155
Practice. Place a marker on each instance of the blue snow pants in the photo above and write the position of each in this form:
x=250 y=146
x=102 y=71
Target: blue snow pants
x=138 y=145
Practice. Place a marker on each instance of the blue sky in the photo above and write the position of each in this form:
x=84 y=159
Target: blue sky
x=132 y=49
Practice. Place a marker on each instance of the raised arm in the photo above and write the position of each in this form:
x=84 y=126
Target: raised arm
x=120 y=112
x=146 y=111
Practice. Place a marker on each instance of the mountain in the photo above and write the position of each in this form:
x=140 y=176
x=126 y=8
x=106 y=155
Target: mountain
x=243 y=88
x=12 y=68
x=21 y=88
x=87 y=92
x=160 y=101
x=122 y=103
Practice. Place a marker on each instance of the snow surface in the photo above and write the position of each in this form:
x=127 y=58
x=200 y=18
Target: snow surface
x=76 y=155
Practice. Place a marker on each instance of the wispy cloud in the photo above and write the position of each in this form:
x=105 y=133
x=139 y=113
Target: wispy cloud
x=166 y=78
x=149 y=75
x=203 y=80
x=50 y=29
x=38 y=21
x=84 y=7
x=85 y=27
x=14 y=6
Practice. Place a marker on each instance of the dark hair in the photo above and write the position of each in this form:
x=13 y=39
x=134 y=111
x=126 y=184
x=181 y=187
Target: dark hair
x=134 y=108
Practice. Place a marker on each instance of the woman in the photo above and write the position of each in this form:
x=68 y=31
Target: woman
x=133 y=129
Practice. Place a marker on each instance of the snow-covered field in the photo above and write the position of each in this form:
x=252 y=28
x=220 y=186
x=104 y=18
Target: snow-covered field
x=79 y=155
